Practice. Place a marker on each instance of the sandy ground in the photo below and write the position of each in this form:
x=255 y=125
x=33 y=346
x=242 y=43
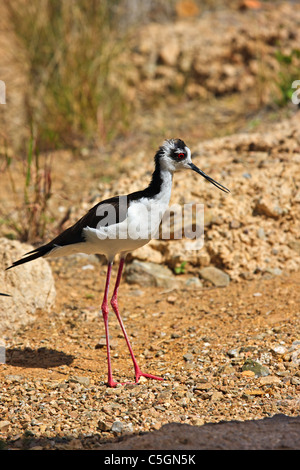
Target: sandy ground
x=54 y=393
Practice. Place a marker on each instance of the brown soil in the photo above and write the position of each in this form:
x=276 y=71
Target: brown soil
x=57 y=373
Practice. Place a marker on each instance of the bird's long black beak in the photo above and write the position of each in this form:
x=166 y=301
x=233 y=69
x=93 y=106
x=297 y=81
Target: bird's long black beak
x=215 y=183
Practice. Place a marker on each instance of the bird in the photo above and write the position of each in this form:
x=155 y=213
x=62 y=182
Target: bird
x=119 y=225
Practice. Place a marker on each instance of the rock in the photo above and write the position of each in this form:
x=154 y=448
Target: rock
x=267 y=207
x=261 y=233
x=169 y=53
x=295 y=245
x=216 y=396
x=4 y=425
x=295 y=352
x=150 y=274
x=80 y=379
x=271 y=379
x=104 y=426
x=193 y=282
x=279 y=350
x=217 y=277
x=234 y=224
x=248 y=373
x=258 y=369
x=31 y=286
x=102 y=343
x=188 y=357
x=233 y=352
x=117 y=427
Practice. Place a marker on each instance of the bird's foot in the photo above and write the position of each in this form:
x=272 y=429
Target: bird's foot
x=139 y=374
x=112 y=383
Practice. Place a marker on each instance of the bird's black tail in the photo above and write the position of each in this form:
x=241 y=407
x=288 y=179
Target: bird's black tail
x=31 y=255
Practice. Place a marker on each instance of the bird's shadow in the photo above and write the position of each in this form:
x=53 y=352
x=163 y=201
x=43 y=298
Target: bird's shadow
x=41 y=358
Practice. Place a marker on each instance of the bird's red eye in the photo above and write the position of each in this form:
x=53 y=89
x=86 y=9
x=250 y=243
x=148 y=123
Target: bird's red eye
x=180 y=156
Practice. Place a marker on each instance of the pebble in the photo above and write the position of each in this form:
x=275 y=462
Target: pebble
x=117 y=427
x=188 y=357
x=280 y=350
x=216 y=276
x=248 y=373
x=233 y=353
x=258 y=369
x=150 y=274
x=269 y=380
x=82 y=380
x=193 y=282
x=4 y=425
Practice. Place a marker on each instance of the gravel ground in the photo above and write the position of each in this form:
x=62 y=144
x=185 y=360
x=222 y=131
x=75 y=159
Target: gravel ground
x=225 y=353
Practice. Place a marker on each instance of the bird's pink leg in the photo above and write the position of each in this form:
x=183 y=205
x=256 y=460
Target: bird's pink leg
x=114 y=304
x=104 y=309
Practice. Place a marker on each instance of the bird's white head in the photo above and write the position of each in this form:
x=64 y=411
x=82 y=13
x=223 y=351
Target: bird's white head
x=174 y=155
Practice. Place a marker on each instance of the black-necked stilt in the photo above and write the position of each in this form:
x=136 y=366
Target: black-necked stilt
x=121 y=224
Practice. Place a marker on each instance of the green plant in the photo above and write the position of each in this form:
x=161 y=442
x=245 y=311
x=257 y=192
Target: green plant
x=31 y=205
x=180 y=269
x=289 y=71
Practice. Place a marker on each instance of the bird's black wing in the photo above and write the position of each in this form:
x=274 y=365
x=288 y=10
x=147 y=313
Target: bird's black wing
x=105 y=213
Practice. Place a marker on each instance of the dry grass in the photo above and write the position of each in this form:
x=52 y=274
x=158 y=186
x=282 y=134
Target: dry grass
x=72 y=48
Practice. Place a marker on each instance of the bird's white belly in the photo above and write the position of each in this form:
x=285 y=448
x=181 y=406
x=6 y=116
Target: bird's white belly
x=140 y=226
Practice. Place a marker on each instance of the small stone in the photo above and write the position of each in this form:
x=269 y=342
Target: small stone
x=235 y=224
x=193 y=282
x=261 y=234
x=14 y=377
x=216 y=396
x=150 y=274
x=142 y=379
x=258 y=369
x=295 y=245
x=248 y=373
x=82 y=380
x=295 y=357
x=197 y=421
x=295 y=381
x=270 y=380
x=279 y=350
x=117 y=427
x=102 y=343
x=227 y=369
x=104 y=426
x=233 y=352
x=255 y=392
x=216 y=276
x=171 y=299
x=268 y=208
x=169 y=53
x=188 y=357
x=4 y=425
x=203 y=386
